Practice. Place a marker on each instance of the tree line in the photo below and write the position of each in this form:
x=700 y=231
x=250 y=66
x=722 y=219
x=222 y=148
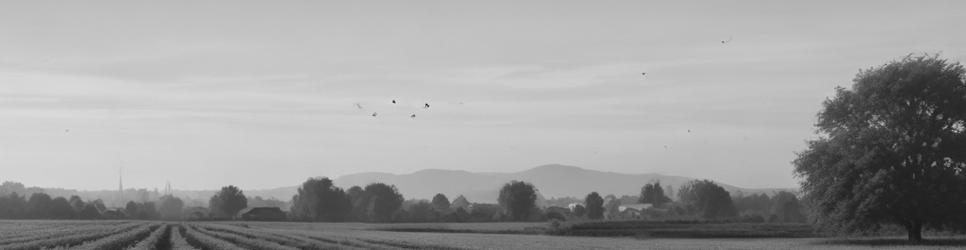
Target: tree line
x=318 y=199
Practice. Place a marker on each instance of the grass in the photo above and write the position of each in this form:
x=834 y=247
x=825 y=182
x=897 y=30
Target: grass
x=686 y=229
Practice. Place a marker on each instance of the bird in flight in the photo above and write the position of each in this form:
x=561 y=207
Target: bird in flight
x=413 y=116
x=393 y=101
x=67 y=131
x=727 y=41
x=358 y=105
x=644 y=74
x=374 y=114
x=426 y=106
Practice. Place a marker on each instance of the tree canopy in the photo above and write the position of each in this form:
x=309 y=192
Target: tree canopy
x=383 y=201
x=227 y=202
x=319 y=200
x=517 y=199
x=440 y=202
x=595 y=206
x=891 y=149
x=653 y=193
x=708 y=199
x=171 y=207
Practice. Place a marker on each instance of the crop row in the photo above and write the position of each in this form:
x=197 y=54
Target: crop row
x=346 y=242
x=178 y=241
x=52 y=232
x=68 y=240
x=255 y=243
x=120 y=240
x=293 y=240
x=151 y=242
x=199 y=239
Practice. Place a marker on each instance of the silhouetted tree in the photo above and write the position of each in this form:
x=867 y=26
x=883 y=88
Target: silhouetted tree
x=12 y=206
x=227 y=202
x=440 y=203
x=423 y=211
x=38 y=206
x=708 y=199
x=517 y=199
x=171 y=207
x=891 y=150
x=460 y=215
x=358 y=203
x=611 y=206
x=89 y=212
x=485 y=212
x=756 y=203
x=653 y=193
x=595 y=206
x=319 y=200
x=580 y=210
x=60 y=209
x=384 y=200
x=99 y=204
x=77 y=204
x=148 y=211
x=132 y=210
x=787 y=208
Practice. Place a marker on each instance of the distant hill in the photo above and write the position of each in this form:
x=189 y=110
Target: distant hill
x=552 y=181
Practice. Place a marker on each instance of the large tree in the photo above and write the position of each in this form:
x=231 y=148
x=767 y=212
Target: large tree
x=170 y=207
x=227 y=202
x=786 y=207
x=891 y=149
x=357 y=203
x=38 y=206
x=319 y=200
x=12 y=206
x=441 y=203
x=383 y=200
x=653 y=193
x=707 y=199
x=595 y=206
x=517 y=199
x=60 y=209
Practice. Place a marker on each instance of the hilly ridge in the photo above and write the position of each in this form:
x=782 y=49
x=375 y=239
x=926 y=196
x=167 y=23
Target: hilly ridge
x=552 y=180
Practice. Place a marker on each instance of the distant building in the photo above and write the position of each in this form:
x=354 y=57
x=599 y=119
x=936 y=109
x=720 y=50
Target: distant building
x=263 y=214
x=638 y=207
x=573 y=206
x=196 y=213
x=633 y=211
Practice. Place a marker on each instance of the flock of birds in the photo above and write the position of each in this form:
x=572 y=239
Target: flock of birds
x=426 y=105
x=375 y=114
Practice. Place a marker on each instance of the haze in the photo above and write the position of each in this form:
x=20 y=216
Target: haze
x=264 y=94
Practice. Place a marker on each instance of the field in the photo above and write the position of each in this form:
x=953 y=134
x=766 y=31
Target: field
x=286 y=235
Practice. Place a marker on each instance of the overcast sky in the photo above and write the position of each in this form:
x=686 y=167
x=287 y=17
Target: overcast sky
x=262 y=94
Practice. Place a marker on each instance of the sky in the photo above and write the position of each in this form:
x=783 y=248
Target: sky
x=263 y=94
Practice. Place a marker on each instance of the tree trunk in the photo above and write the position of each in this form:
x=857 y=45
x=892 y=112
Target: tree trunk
x=914 y=229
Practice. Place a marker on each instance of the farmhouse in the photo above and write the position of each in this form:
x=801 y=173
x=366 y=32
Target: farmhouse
x=262 y=214
x=633 y=211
